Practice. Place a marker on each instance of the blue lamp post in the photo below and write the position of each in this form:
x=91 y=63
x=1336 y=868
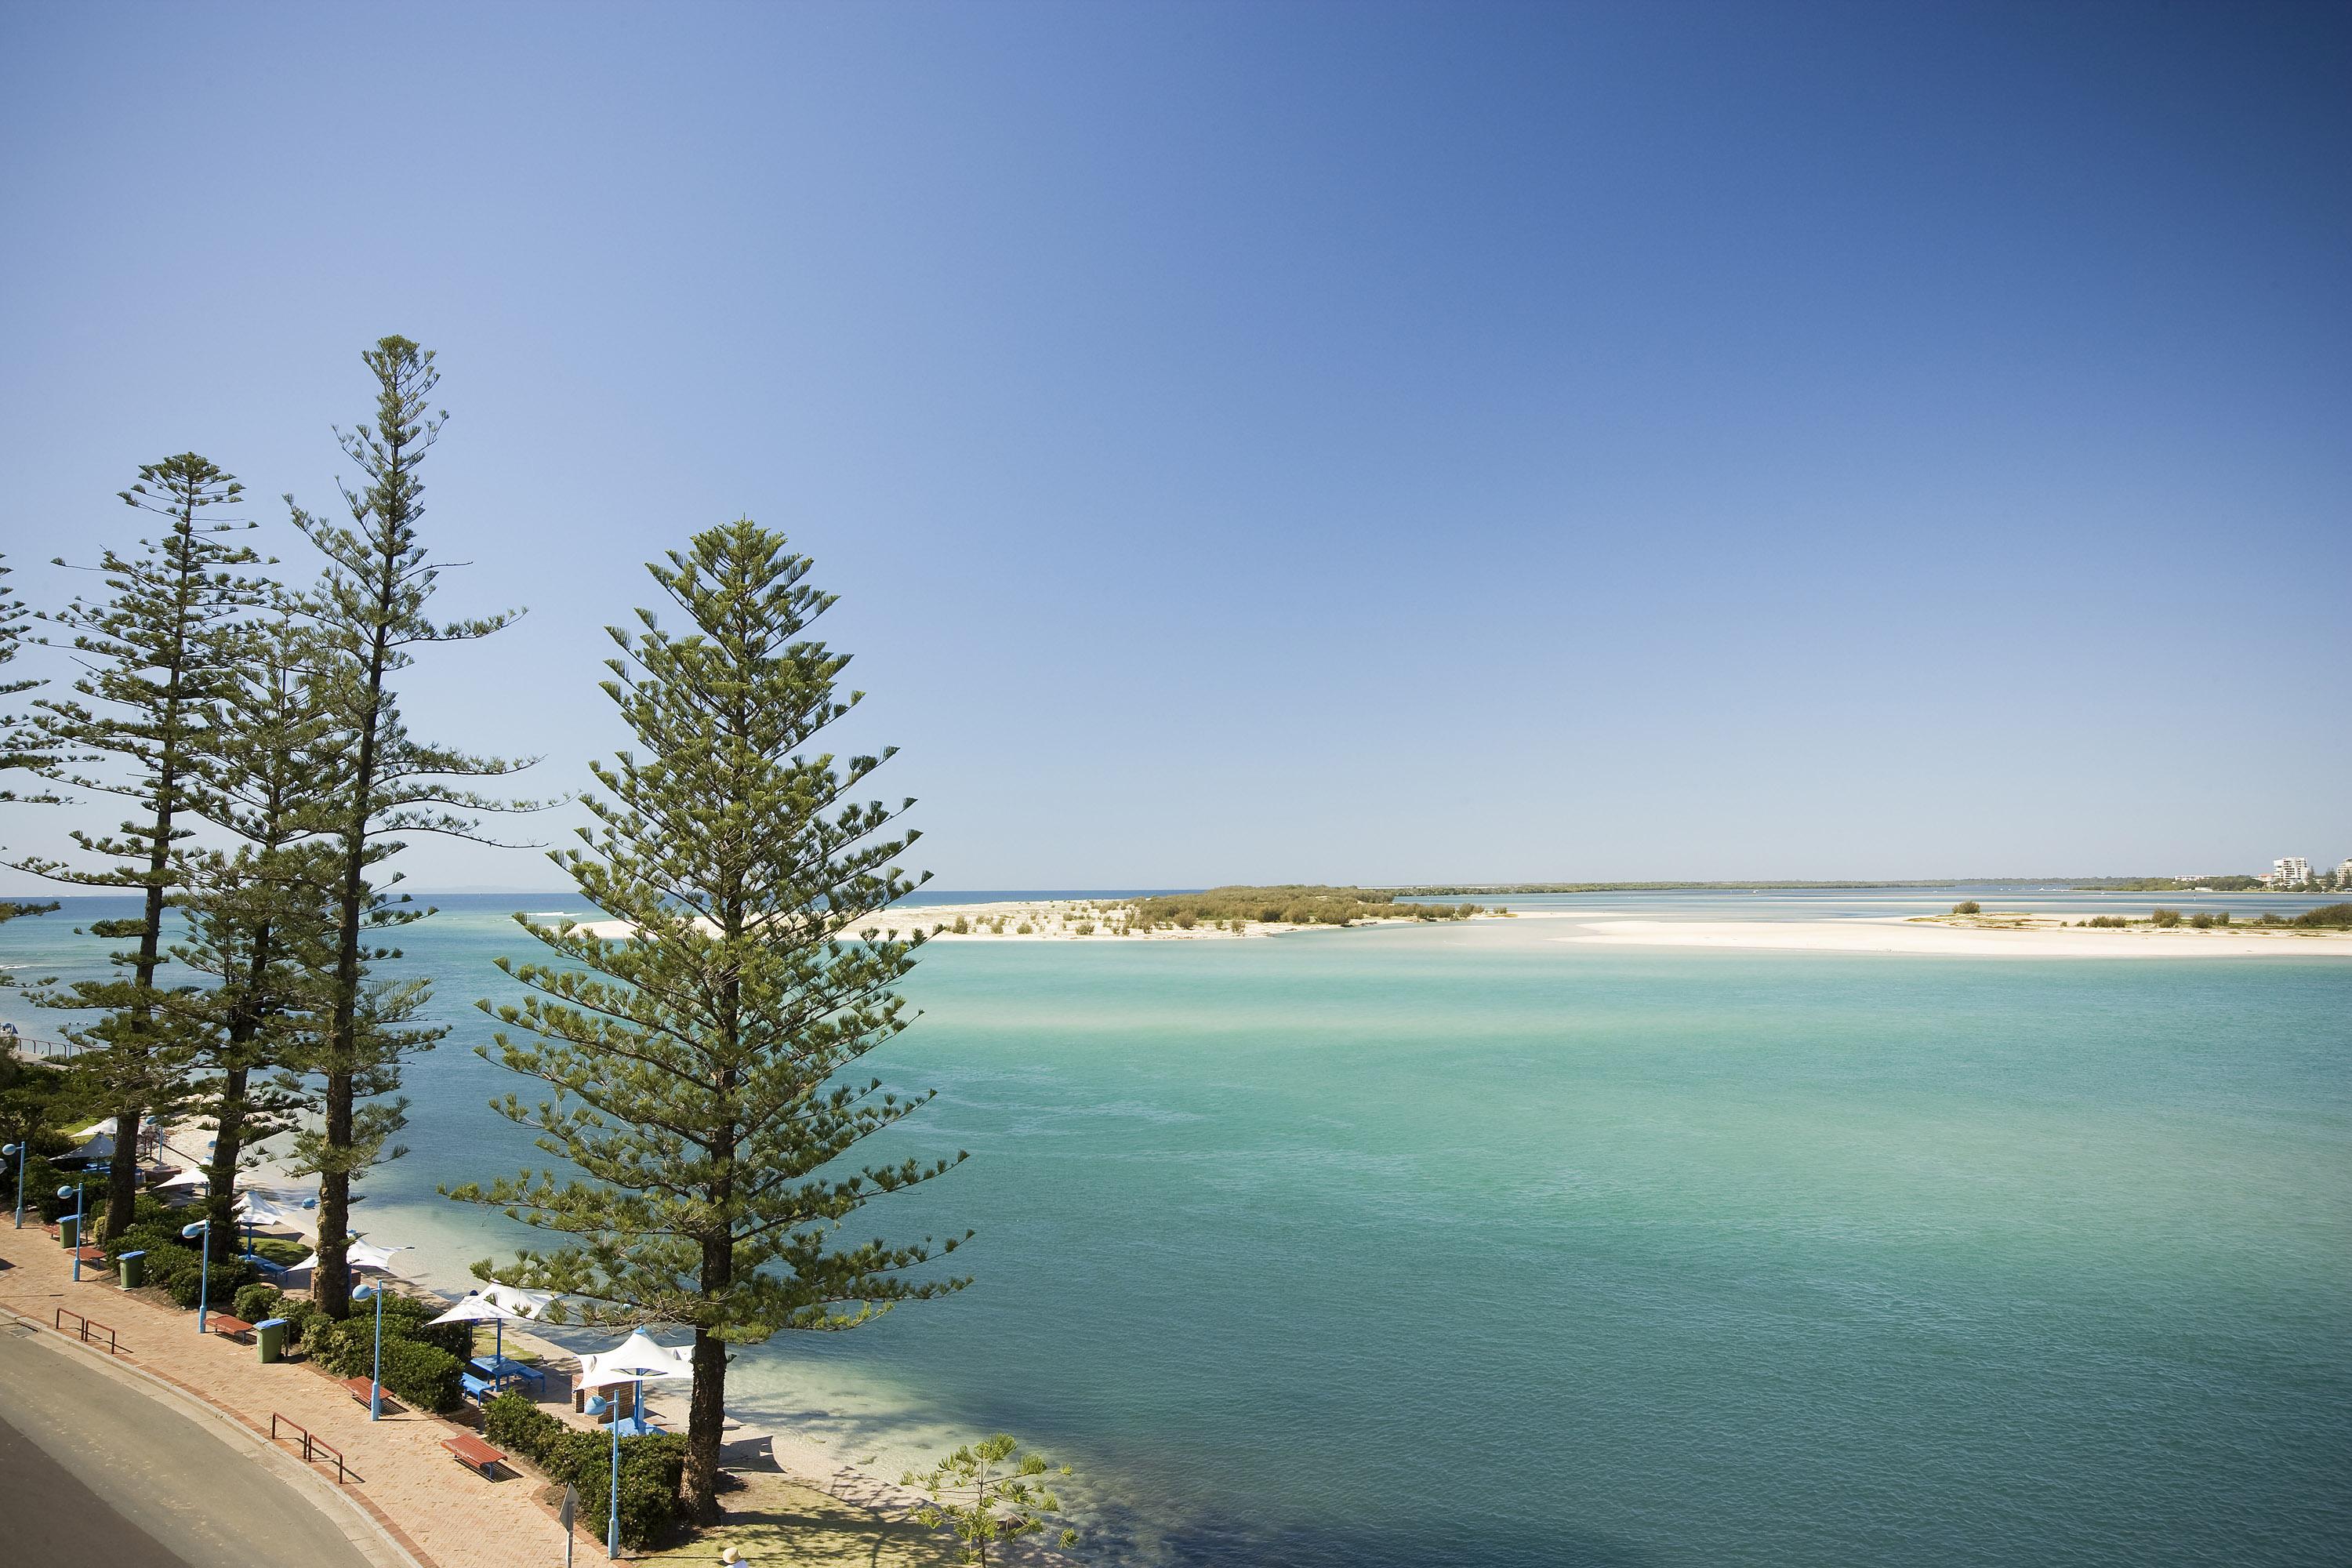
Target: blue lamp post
x=597 y=1406
x=203 y=1228
x=74 y=1193
x=375 y=1381
x=17 y=1150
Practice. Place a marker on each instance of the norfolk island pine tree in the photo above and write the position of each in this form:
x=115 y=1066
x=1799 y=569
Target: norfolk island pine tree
x=698 y=1065
x=155 y=657
x=368 y=610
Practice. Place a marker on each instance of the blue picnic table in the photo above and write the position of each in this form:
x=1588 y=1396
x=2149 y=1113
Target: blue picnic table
x=499 y=1368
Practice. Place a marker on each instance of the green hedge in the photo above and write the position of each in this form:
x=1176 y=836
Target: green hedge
x=512 y=1422
x=652 y=1467
x=425 y=1375
x=225 y=1281
x=258 y=1303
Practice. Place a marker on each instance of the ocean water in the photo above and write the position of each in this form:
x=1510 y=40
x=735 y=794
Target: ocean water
x=1473 y=1245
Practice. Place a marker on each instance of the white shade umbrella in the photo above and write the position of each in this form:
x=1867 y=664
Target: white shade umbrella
x=254 y=1209
x=478 y=1308
x=635 y=1360
x=359 y=1255
x=522 y=1303
x=190 y=1177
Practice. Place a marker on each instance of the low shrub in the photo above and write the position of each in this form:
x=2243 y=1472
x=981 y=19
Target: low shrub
x=426 y=1375
x=2331 y=916
x=2202 y=921
x=2110 y=923
x=258 y=1301
x=190 y=1283
x=652 y=1467
x=1968 y=906
x=2164 y=918
x=41 y=1183
x=410 y=1318
x=513 y=1423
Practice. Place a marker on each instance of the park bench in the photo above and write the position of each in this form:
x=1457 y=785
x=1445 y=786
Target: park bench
x=475 y=1454
x=361 y=1389
x=230 y=1327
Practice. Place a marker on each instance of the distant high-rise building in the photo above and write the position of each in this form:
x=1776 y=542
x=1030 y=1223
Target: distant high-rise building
x=2344 y=872
x=2289 y=871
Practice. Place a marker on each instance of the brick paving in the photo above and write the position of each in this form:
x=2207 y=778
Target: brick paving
x=445 y=1514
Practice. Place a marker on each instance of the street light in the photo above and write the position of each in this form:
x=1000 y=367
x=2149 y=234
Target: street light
x=203 y=1228
x=376 y=1380
x=17 y=1150
x=597 y=1404
x=74 y=1193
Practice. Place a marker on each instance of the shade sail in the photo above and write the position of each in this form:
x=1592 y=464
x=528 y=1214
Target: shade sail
x=190 y=1177
x=358 y=1255
x=478 y=1309
x=635 y=1360
x=522 y=1303
x=253 y=1209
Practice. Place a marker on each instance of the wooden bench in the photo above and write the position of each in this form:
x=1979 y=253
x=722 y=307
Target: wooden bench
x=475 y=1454
x=230 y=1327
x=361 y=1388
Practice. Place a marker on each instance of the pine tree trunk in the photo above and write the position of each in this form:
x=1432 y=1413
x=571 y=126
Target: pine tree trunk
x=228 y=1127
x=706 y=1421
x=331 y=1281
x=122 y=1176
x=330 y=1288
x=229 y=1144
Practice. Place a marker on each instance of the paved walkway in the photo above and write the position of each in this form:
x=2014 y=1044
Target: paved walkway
x=442 y=1513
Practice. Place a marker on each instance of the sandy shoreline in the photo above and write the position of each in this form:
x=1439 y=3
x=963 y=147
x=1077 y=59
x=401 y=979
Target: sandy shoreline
x=1053 y=920
x=1931 y=938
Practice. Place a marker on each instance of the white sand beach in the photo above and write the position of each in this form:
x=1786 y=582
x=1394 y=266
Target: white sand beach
x=2016 y=937
x=1053 y=920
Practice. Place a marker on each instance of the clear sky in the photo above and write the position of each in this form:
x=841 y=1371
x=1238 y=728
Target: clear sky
x=1285 y=441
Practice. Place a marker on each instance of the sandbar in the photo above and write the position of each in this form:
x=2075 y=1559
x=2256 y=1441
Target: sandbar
x=1933 y=938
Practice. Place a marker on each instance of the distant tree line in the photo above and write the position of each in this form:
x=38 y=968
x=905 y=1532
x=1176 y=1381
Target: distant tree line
x=1288 y=903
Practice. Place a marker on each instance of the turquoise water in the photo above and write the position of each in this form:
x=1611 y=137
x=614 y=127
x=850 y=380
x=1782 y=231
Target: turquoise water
x=1473 y=1245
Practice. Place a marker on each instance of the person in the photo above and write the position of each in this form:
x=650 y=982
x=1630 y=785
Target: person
x=730 y=1556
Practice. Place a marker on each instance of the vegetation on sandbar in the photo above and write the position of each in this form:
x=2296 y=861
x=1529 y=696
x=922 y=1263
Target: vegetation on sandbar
x=1289 y=903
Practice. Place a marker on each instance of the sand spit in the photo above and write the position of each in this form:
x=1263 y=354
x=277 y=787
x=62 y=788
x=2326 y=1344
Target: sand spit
x=2005 y=936
x=1044 y=920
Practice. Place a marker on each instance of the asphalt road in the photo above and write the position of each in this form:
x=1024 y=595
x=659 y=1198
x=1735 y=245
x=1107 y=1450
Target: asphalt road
x=94 y=1469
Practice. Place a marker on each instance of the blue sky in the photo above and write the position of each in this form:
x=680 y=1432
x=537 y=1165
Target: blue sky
x=1265 y=442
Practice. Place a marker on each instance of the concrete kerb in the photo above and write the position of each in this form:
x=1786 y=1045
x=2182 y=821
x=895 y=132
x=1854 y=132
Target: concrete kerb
x=349 y=1511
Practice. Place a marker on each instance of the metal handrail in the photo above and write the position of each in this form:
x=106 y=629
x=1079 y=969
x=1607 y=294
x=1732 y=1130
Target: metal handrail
x=308 y=1443
x=59 y=1322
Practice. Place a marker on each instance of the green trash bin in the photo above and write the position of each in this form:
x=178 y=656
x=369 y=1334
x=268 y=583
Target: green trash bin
x=270 y=1335
x=69 y=1229
x=132 y=1267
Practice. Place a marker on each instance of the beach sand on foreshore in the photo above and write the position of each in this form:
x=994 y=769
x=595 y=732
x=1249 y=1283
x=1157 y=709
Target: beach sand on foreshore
x=776 y=1519
x=1932 y=939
